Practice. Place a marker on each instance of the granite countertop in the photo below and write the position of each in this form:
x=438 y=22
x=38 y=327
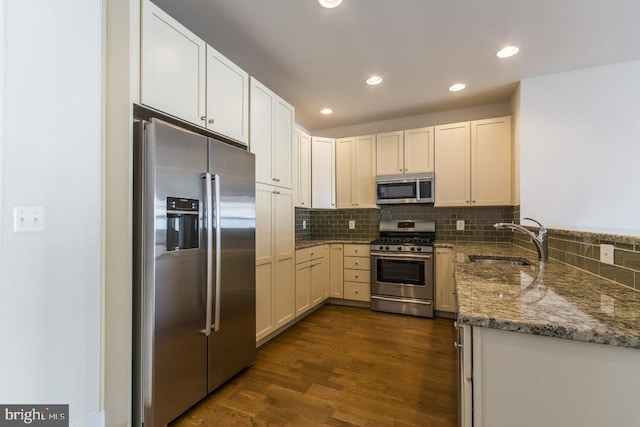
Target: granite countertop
x=564 y=302
x=302 y=244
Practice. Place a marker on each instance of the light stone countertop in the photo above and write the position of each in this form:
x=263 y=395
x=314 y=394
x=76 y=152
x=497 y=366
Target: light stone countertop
x=302 y=244
x=565 y=303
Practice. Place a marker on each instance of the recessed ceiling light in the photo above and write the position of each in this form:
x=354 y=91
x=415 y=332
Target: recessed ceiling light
x=329 y=4
x=374 y=80
x=326 y=111
x=456 y=87
x=507 y=51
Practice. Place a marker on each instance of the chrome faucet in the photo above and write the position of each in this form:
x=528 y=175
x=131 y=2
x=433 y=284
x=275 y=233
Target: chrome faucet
x=540 y=240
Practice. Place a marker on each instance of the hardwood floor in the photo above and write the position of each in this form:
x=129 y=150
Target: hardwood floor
x=343 y=366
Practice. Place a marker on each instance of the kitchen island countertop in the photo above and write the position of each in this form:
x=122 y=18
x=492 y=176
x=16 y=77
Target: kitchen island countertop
x=564 y=302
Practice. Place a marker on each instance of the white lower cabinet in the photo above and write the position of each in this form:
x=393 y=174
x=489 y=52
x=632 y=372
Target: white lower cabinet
x=357 y=266
x=336 y=266
x=529 y=380
x=310 y=278
x=275 y=292
x=445 y=291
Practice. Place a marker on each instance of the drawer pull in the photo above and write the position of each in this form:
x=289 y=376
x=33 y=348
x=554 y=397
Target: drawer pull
x=356 y=277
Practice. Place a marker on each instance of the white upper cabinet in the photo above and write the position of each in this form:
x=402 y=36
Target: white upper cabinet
x=453 y=165
x=271 y=129
x=389 y=153
x=473 y=163
x=302 y=168
x=173 y=66
x=409 y=151
x=419 y=150
x=283 y=140
x=491 y=162
x=323 y=167
x=227 y=97
x=356 y=172
x=184 y=77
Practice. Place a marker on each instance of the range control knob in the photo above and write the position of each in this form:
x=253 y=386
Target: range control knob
x=419 y=249
x=413 y=249
x=381 y=247
x=386 y=248
x=399 y=248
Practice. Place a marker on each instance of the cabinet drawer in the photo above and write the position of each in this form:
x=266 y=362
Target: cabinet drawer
x=307 y=254
x=357 y=263
x=361 y=276
x=356 y=250
x=356 y=291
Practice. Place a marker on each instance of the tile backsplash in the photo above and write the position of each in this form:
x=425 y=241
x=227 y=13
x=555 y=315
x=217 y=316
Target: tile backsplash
x=582 y=250
x=334 y=223
x=579 y=249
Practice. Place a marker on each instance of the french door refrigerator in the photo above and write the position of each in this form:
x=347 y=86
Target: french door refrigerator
x=194 y=284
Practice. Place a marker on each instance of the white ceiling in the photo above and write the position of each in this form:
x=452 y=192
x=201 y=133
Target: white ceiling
x=315 y=57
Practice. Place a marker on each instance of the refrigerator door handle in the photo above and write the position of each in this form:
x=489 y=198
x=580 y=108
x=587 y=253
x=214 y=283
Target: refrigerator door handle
x=216 y=325
x=209 y=215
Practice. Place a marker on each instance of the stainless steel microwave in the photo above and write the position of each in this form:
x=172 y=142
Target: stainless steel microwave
x=405 y=188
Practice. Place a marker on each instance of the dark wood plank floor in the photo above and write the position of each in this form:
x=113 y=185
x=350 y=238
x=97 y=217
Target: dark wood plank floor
x=343 y=366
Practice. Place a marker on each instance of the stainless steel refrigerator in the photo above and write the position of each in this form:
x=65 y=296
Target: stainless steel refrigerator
x=194 y=275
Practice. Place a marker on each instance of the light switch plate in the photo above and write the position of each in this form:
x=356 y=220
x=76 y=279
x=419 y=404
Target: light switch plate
x=460 y=225
x=352 y=224
x=28 y=219
x=606 y=254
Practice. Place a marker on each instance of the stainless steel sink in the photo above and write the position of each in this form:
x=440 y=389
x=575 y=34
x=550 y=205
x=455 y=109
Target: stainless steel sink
x=500 y=260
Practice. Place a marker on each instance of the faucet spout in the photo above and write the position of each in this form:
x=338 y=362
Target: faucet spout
x=540 y=240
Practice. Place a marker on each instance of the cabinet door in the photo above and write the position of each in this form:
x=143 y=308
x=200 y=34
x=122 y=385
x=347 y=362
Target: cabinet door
x=304 y=171
x=227 y=97
x=264 y=300
x=452 y=165
x=172 y=66
x=365 y=171
x=491 y=162
x=389 y=153
x=283 y=238
x=283 y=144
x=323 y=163
x=317 y=281
x=296 y=167
x=336 y=266
x=262 y=133
x=418 y=150
x=445 y=285
x=345 y=173
x=326 y=252
x=303 y=287
x=264 y=261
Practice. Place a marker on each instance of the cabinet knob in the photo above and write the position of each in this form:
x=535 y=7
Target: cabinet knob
x=302 y=203
x=356 y=276
x=356 y=292
x=211 y=121
x=203 y=117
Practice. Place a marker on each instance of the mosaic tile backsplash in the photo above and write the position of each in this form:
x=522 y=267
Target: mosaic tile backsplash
x=582 y=250
x=579 y=249
x=334 y=223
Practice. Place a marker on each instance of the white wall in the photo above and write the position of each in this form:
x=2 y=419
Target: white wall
x=50 y=282
x=421 y=120
x=580 y=149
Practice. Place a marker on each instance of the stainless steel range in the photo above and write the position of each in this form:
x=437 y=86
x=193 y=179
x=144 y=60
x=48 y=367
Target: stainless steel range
x=402 y=267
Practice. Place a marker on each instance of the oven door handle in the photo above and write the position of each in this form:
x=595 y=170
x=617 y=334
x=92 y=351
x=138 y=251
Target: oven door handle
x=412 y=301
x=406 y=256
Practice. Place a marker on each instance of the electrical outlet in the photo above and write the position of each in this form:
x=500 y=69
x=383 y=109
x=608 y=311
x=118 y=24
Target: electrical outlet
x=304 y=224
x=352 y=224
x=606 y=254
x=28 y=219
x=460 y=225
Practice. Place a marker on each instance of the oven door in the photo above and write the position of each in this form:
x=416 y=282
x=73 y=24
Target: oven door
x=397 y=191
x=405 y=276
